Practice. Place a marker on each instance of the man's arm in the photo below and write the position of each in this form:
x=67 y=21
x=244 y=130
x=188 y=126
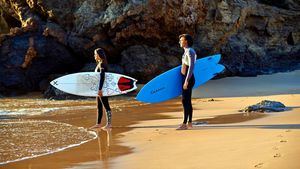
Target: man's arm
x=191 y=59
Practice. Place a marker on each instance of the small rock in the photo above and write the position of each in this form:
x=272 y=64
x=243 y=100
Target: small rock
x=266 y=106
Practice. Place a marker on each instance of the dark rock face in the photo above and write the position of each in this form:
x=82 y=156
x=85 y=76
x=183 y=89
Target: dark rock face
x=18 y=75
x=266 y=106
x=139 y=61
x=140 y=37
x=285 y=4
x=4 y=28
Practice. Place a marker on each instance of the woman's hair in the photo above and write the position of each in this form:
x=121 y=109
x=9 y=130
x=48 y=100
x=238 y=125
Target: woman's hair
x=188 y=38
x=102 y=55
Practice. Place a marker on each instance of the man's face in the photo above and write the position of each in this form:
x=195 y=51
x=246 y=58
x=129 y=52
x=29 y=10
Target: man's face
x=183 y=42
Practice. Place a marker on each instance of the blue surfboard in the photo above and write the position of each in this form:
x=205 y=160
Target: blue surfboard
x=168 y=85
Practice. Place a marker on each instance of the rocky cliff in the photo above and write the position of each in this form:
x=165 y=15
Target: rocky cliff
x=140 y=37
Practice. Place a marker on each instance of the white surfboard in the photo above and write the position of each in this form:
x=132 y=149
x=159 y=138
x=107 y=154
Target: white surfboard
x=87 y=84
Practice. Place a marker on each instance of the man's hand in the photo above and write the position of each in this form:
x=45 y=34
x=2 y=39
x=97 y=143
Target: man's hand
x=100 y=93
x=185 y=85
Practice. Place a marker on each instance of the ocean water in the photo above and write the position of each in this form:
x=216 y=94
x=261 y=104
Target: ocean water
x=16 y=107
x=28 y=107
x=24 y=139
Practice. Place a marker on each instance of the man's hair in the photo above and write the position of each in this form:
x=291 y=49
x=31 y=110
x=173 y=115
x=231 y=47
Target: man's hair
x=188 y=38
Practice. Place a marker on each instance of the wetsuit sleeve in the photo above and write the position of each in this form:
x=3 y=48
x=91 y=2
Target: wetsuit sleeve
x=191 y=58
x=102 y=77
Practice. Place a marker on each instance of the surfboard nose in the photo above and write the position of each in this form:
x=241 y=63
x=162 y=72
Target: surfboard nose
x=53 y=83
x=139 y=97
x=220 y=68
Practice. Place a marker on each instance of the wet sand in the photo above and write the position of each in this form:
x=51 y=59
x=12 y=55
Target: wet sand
x=106 y=146
x=144 y=136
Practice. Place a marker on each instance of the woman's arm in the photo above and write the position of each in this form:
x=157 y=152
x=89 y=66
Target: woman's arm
x=102 y=77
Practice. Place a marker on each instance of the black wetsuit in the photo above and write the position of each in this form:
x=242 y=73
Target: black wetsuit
x=189 y=77
x=102 y=101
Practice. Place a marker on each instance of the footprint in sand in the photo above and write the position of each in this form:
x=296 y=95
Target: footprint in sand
x=275 y=148
x=277 y=155
x=162 y=133
x=279 y=135
x=283 y=141
x=287 y=130
x=259 y=165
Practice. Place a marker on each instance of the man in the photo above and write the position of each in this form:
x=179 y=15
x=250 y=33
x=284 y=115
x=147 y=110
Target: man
x=188 y=79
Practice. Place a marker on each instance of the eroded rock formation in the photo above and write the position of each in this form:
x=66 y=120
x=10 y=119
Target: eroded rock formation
x=140 y=37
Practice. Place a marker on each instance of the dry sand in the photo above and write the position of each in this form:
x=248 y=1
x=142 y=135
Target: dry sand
x=144 y=136
x=268 y=142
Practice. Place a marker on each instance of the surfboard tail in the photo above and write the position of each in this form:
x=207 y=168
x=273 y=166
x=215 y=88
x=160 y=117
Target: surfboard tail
x=126 y=84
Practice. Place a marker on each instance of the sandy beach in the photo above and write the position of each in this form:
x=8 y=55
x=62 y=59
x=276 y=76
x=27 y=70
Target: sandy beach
x=144 y=135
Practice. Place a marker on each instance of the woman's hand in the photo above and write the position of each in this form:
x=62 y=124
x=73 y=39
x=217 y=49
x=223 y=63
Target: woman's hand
x=185 y=85
x=100 y=93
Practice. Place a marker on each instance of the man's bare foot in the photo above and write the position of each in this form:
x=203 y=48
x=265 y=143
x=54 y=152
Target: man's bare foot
x=107 y=126
x=189 y=125
x=96 y=126
x=182 y=127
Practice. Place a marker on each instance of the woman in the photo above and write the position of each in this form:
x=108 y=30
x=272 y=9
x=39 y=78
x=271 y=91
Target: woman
x=101 y=67
x=188 y=79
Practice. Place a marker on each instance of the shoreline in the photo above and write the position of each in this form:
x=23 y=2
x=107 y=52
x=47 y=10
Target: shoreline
x=52 y=151
x=141 y=130
x=83 y=118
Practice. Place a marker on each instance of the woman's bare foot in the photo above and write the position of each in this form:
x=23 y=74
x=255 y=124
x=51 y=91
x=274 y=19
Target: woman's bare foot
x=107 y=126
x=189 y=125
x=182 y=127
x=96 y=126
